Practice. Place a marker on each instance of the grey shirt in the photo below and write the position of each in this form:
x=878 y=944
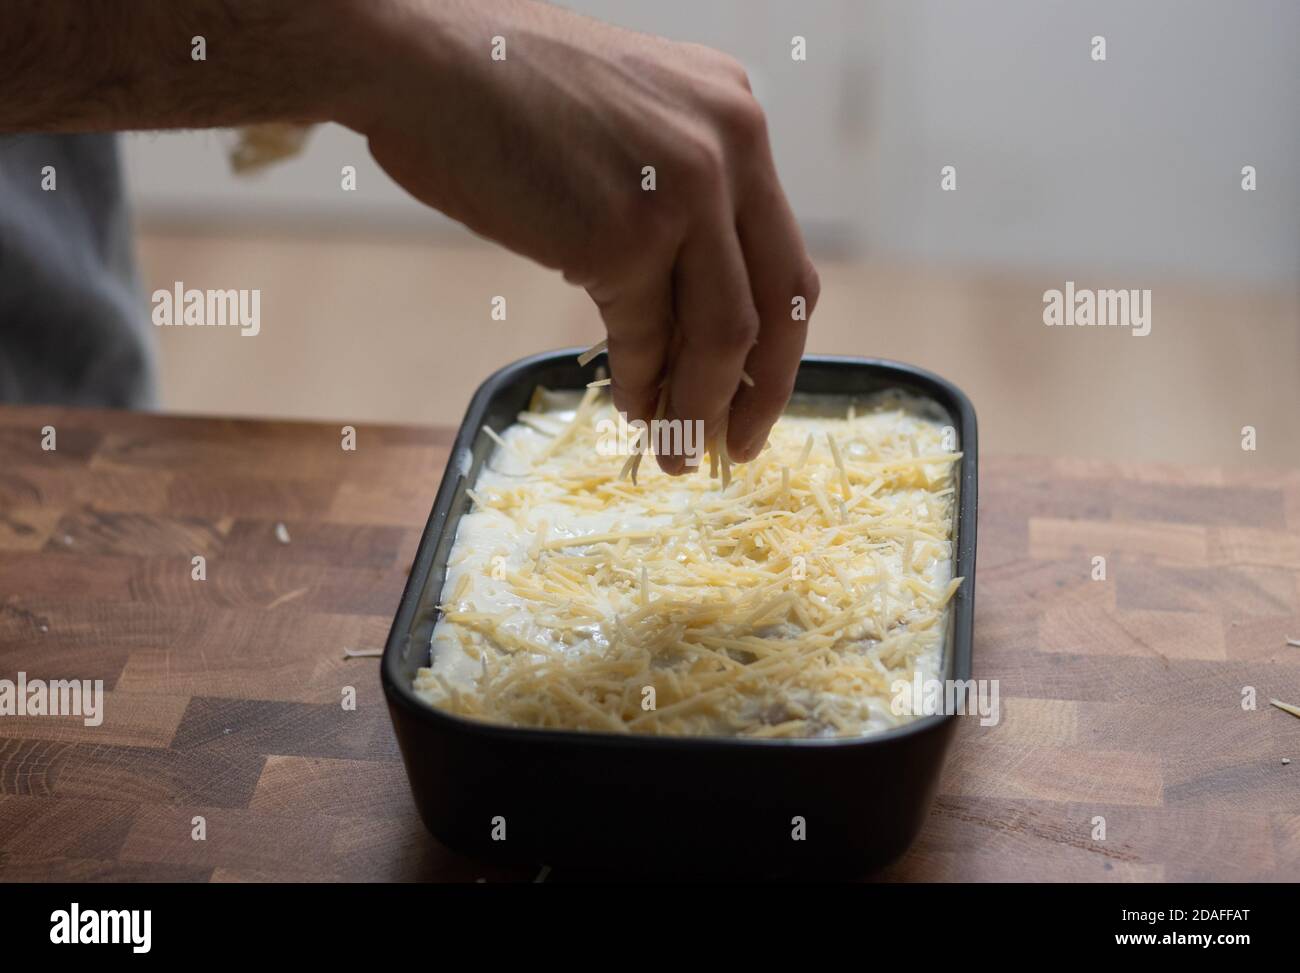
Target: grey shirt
x=73 y=321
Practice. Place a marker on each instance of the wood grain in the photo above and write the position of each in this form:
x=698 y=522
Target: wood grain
x=1121 y=699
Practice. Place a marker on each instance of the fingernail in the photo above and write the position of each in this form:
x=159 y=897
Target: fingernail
x=749 y=449
x=672 y=465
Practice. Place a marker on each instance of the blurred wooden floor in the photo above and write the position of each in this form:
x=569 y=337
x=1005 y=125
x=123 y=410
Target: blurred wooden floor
x=400 y=331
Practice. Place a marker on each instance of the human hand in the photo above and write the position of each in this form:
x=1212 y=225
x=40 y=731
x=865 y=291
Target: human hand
x=543 y=151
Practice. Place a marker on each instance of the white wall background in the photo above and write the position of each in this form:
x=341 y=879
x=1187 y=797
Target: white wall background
x=1131 y=165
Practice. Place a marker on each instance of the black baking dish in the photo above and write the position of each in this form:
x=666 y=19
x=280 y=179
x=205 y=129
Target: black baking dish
x=715 y=805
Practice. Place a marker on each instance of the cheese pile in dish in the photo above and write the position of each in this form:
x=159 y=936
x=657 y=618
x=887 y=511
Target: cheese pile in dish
x=783 y=605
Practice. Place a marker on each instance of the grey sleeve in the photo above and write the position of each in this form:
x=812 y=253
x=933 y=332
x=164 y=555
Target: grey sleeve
x=73 y=323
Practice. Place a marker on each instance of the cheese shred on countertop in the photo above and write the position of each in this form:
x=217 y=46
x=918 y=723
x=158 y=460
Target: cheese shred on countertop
x=786 y=601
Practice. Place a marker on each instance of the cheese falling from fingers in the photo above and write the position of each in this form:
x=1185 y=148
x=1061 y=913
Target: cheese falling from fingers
x=788 y=603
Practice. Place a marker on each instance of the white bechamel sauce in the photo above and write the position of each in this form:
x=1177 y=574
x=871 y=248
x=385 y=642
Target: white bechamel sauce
x=492 y=546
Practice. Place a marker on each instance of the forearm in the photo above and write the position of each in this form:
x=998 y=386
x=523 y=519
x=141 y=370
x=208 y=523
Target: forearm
x=637 y=166
x=89 y=65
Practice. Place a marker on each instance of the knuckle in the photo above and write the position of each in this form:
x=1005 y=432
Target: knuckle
x=736 y=332
x=808 y=284
x=704 y=163
x=581 y=268
x=714 y=63
x=735 y=70
x=587 y=265
x=744 y=121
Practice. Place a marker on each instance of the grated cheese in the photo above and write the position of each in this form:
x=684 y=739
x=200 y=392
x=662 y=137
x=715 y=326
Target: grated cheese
x=778 y=598
x=594 y=352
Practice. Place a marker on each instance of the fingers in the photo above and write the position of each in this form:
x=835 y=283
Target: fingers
x=639 y=325
x=737 y=261
x=716 y=323
x=780 y=273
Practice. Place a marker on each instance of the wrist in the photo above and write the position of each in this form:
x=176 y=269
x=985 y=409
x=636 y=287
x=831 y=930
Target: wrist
x=371 y=43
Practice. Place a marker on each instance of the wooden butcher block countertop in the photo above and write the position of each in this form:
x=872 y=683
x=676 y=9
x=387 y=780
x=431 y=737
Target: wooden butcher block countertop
x=1121 y=699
